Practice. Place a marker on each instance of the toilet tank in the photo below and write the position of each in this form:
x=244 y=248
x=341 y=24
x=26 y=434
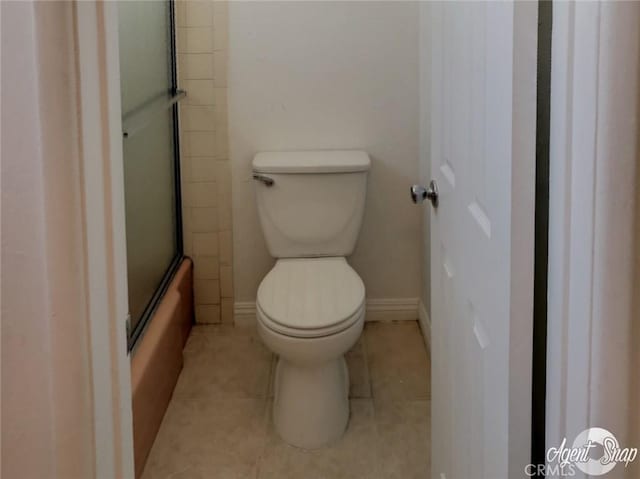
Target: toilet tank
x=311 y=203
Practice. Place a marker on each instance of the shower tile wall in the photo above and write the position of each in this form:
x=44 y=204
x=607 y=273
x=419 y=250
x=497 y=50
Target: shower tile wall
x=201 y=30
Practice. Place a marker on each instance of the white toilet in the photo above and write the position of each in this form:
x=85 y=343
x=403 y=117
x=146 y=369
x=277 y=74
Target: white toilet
x=310 y=306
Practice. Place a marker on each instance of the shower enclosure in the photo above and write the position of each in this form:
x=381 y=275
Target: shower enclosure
x=151 y=155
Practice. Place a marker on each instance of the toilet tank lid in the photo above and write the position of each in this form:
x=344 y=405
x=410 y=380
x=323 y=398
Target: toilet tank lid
x=321 y=161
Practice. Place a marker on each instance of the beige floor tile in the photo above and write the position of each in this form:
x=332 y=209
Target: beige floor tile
x=218 y=337
x=354 y=456
x=201 y=438
x=404 y=430
x=274 y=363
x=359 y=382
x=223 y=361
x=242 y=471
x=218 y=424
x=397 y=359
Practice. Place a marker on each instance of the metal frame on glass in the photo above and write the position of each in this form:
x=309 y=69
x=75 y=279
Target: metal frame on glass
x=130 y=125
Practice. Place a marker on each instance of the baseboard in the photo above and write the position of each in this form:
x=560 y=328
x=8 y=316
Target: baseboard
x=425 y=324
x=392 y=309
x=385 y=309
x=244 y=313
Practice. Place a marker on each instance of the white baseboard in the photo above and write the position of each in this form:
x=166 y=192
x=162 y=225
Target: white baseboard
x=392 y=309
x=244 y=313
x=425 y=324
x=386 y=309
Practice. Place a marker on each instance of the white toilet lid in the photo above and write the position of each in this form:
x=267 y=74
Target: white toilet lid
x=311 y=293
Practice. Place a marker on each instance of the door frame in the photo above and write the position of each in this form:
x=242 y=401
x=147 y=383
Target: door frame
x=577 y=73
x=595 y=94
x=98 y=69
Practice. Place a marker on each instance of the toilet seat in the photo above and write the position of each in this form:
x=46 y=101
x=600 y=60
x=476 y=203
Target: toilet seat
x=309 y=333
x=310 y=297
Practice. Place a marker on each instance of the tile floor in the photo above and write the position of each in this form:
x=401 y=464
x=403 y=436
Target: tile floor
x=218 y=424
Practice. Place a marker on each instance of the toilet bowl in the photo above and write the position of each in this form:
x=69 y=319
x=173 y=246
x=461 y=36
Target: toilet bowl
x=311 y=305
x=310 y=313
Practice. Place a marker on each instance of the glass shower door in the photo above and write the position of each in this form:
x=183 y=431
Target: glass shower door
x=150 y=151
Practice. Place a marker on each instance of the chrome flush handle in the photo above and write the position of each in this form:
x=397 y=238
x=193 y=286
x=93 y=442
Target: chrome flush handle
x=420 y=193
x=263 y=179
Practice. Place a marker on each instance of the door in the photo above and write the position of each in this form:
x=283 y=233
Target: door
x=482 y=156
x=150 y=153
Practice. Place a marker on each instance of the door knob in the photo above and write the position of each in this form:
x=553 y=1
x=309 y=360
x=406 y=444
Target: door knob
x=420 y=193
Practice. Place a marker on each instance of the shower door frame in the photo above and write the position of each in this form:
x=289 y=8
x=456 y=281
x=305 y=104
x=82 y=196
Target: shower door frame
x=136 y=333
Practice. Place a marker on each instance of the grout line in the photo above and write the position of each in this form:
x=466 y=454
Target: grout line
x=265 y=438
x=271 y=376
x=365 y=354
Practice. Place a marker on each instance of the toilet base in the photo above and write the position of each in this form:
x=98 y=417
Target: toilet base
x=311 y=404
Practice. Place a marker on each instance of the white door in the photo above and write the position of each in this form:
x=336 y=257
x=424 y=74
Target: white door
x=482 y=156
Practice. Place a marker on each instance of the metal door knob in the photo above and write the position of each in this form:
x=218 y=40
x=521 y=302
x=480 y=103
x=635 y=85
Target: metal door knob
x=420 y=193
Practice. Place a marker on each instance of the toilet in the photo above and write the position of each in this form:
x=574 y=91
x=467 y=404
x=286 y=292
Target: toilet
x=311 y=305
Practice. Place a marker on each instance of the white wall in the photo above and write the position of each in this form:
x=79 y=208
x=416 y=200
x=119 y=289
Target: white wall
x=316 y=75
x=46 y=396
